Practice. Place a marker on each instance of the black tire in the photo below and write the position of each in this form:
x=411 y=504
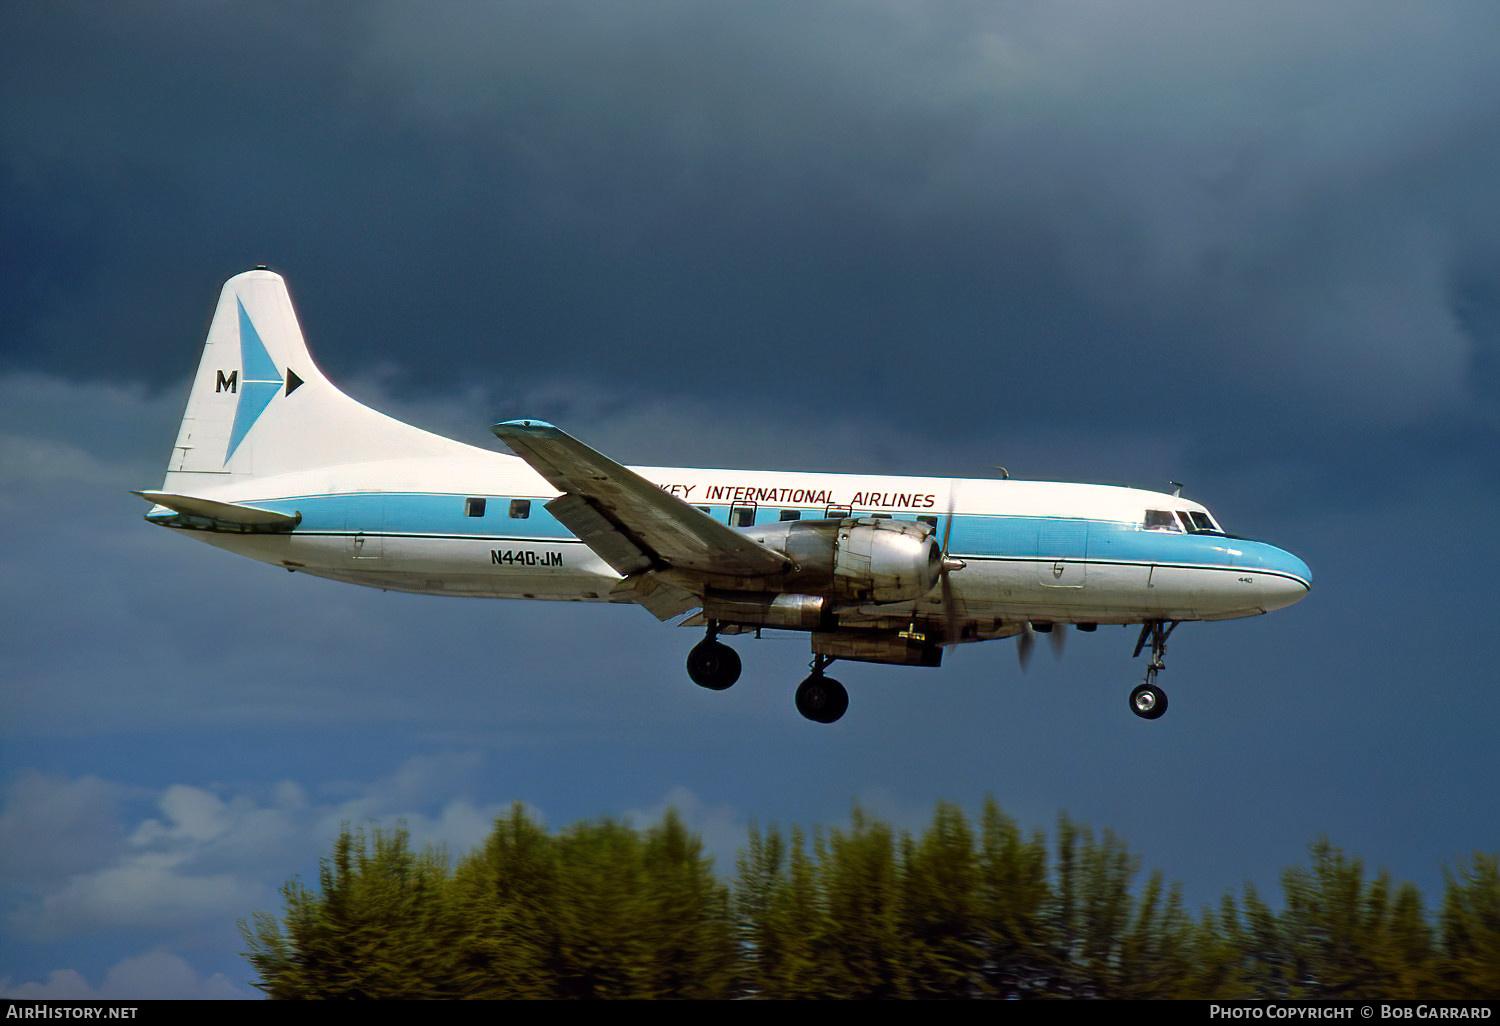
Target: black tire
x=822 y=699
x=1148 y=701
x=713 y=665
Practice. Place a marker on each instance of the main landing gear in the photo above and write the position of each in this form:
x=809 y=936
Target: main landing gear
x=819 y=698
x=1147 y=700
x=712 y=664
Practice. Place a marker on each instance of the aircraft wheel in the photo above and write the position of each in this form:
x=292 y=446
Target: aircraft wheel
x=1148 y=701
x=713 y=665
x=822 y=699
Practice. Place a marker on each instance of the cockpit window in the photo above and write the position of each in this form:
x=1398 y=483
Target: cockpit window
x=1201 y=523
x=1161 y=520
x=1192 y=520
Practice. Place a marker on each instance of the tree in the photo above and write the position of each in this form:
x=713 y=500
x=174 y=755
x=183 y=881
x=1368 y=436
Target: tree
x=1014 y=908
x=503 y=898
x=604 y=910
x=690 y=942
x=939 y=911
x=374 y=930
x=1349 y=939
x=1471 y=928
x=862 y=946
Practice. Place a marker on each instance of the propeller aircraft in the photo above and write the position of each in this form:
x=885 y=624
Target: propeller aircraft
x=274 y=462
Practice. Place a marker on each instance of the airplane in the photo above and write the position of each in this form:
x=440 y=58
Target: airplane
x=274 y=462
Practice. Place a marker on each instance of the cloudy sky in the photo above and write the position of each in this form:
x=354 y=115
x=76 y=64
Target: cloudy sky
x=1253 y=248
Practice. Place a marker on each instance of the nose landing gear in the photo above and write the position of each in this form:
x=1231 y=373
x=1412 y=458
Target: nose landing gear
x=1147 y=700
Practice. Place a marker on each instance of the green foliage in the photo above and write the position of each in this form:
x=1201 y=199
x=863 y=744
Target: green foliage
x=599 y=911
x=374 y=930
x=605 y=910
x=1471 y=928
x=1014 y=909
x=939 y=913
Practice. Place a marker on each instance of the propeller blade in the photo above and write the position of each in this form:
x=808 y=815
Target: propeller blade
x=1059 y=639
x=1025 y=643
x=952 y=625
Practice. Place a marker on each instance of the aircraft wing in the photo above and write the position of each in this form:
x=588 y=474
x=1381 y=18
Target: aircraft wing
x=632 y=525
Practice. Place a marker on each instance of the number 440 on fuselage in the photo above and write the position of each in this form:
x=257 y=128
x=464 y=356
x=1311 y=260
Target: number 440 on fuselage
x=273 y=462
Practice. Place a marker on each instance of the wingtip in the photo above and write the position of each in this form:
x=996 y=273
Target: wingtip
x=525 y=424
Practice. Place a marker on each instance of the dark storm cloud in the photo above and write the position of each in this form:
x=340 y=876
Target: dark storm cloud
x=1077 y=214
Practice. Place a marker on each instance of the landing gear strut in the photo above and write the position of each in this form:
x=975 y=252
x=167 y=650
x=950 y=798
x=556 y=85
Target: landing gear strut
x=712 y=664
x=1147 y=700
x=819 y=698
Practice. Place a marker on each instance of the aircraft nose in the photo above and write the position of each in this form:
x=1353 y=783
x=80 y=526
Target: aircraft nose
x=1288 y=581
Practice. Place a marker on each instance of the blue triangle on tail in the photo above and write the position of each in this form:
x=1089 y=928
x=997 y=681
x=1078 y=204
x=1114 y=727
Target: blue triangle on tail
x=259 y=382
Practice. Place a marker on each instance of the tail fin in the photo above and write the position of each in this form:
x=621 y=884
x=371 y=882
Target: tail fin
x=259 y=406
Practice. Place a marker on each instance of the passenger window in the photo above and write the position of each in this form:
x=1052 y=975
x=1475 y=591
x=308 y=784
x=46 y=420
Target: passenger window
x=473 y=507
x=791 y=514
x=520 y=509
x=744 y=516
x=1161 y=520
x=928 y=520
x=705 y=509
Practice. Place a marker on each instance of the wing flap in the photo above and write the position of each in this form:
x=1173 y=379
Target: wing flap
x=660 y=599
x=608 y=542
x=638 y=515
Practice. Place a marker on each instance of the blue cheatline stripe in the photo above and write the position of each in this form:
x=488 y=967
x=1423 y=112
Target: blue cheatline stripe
x=418 y=514
x=1228 y=568
x=995 y=537
x=259 y=382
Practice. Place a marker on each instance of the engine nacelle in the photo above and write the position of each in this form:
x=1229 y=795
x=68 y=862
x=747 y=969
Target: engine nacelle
x=857 y=561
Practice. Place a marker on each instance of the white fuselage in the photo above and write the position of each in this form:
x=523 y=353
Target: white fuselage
x=473 y=523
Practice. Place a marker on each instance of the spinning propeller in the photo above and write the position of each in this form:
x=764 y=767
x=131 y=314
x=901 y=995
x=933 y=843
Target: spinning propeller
x=952 y=626
x=1025 y=643
x=1026 y=640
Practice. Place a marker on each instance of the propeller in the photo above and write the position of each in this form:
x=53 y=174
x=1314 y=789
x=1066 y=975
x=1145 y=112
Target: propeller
x=952 y=626
x=1026 y=640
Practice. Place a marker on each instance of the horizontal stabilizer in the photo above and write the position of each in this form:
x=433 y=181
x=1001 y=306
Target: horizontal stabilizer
x=212 y=515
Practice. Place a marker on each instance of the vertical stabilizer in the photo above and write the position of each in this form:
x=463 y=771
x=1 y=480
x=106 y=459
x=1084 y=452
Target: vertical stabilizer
x=259 y=406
